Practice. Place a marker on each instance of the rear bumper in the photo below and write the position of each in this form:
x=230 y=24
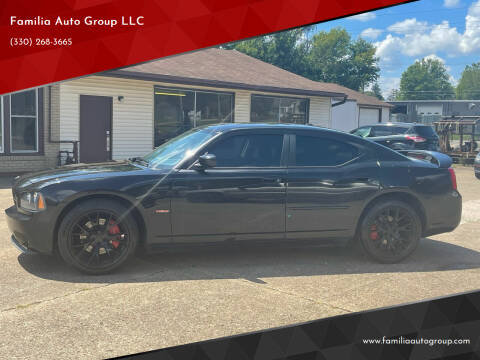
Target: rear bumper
x=445 y=215
x=30 y=232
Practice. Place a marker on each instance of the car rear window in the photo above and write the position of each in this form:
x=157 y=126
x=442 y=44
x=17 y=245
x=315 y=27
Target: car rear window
x=426 y=131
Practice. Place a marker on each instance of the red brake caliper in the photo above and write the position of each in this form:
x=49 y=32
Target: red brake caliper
x=114 y=230
x=373 y=232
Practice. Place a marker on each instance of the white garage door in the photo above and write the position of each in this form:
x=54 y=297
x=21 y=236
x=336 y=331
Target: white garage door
x=369 y=116
x=435 y=109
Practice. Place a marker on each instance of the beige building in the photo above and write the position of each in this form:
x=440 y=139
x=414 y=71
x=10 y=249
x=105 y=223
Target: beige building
x=126 y=113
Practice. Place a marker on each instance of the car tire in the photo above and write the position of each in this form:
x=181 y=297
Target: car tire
x=477 y=175
x=390 y=231
x=97 y=236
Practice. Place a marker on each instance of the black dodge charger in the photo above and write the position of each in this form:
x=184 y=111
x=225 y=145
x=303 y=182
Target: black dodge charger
x=238 y=182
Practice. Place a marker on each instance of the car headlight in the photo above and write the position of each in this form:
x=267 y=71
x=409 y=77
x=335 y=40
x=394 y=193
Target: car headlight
x=32 y=201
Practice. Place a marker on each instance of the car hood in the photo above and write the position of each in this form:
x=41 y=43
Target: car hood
x=42 y=178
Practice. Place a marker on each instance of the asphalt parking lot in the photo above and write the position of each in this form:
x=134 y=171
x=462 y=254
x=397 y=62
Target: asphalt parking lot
x=50 y=311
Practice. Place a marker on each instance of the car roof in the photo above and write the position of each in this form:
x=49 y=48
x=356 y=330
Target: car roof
x=398 y=124
x=224 y=127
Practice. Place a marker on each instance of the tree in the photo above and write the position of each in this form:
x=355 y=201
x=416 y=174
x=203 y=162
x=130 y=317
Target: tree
x=287 y=50
x=426 y=79
x=375 y=91
x=468 y=87
x=394 y=95
x=326 y=56
x=334 y=57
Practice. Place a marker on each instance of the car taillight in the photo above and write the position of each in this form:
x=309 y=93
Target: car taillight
x=415 y=138
x=453 y=177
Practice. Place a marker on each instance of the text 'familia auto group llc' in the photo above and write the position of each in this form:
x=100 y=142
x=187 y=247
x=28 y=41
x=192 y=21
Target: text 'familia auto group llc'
x=87 y=20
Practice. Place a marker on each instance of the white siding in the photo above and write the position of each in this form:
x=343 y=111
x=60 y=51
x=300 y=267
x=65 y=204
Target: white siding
x=345 y=116
x=242 y=106
x=132 y=127
x=385 y=114
x=320 y=111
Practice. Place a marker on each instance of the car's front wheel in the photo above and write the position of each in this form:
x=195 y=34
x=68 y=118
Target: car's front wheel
x=97 y=236
x=390 y=231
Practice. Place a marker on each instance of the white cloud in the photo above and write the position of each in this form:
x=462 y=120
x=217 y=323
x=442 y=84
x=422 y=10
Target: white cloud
x=408 y=26
x=371 y=33
x=418 y=38
x=364 y=17
x=387 y=84
x=451 y=3
x=435 y=57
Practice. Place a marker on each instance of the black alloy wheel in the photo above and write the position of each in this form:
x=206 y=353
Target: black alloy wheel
x=390 y=231
x=97 y=236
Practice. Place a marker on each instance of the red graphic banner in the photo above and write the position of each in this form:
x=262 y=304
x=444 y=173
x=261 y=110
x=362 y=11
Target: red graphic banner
x=47 y=41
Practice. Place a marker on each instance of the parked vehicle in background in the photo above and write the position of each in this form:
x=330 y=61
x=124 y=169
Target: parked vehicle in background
x=234 y=183
x=401 y=136
x=476 y=166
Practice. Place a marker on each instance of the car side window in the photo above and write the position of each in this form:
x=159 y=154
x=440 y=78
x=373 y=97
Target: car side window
x=389 y=130
x=317 y=151
x=256 y=150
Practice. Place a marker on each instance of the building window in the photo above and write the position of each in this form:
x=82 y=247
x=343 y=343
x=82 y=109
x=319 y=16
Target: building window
x=279 y=109
x=24 y=122
x=178 y=110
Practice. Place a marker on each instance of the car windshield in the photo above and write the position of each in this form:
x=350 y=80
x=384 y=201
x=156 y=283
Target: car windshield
x=173 y=151
x=363 y=132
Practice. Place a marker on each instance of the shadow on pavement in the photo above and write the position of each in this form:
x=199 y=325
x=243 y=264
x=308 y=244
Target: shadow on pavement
x=253 y=262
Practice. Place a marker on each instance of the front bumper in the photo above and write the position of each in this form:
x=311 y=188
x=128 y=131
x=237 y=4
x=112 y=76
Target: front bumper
x=20 y=246
x=32 y=231
x=476 y=167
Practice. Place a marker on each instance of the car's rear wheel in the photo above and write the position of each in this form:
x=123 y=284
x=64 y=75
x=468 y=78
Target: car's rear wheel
x=477 y=175
x=390 y=231
x=97 y=236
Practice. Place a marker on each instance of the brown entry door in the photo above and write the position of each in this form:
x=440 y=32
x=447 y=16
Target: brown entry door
x=95 y=128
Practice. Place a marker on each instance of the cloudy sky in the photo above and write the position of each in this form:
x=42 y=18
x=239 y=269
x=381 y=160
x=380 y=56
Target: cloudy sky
x=445 y=29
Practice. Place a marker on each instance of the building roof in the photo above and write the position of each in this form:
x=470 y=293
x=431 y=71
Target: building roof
x=228 y=69
x=360 y=98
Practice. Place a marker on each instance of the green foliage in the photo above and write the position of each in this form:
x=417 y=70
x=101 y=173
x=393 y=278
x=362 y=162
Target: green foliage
x=468 y=87
x=426 y=79
x=286 y=50
x=376 y=91
x=394 y=95
x=326 y=56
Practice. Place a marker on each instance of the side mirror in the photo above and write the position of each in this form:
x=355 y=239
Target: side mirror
x=207 y=160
